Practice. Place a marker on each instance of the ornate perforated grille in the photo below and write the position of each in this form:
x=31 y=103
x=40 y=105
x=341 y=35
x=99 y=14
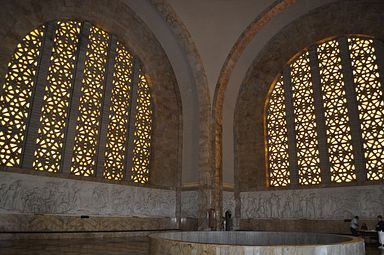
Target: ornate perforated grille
x=142 y=133
x=105 y=79
x=342 y=129
x=369 y=92
x=15 y=96
x=88 y=121
x=339 y=138
x=277 y=138
x=56 y=99
x=117 y=134
x=305 y=121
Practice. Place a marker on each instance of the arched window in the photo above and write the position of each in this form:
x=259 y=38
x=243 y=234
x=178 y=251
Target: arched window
x=76 y=100
x=325 y=115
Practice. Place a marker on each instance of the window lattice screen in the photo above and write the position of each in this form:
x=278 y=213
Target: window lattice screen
x=277 y=137
x=369 y=92
x=92 y=121
x=336 y=109
x=53 y=120
x=88 y=122
x=117 y=134
x=15 y=96
x=339 y=137
x=142 y=134
x=305 y=121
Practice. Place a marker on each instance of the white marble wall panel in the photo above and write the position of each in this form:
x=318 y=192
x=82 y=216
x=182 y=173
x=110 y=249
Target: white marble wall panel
x=324 y=203
x=229 y=202
x=22 y=193
x=189 y=203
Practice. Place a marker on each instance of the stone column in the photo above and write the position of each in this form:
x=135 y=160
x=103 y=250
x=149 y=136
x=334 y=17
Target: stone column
x=179 y=175
x=217 y=130
x=237 y=191
x=206 y=189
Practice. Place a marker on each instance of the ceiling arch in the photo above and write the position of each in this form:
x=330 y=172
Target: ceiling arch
x=256 y=37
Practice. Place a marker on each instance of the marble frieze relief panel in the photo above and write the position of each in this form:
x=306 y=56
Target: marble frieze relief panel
x=325 y=203
x=229 y=202
x=21 y=193
x=189 y=203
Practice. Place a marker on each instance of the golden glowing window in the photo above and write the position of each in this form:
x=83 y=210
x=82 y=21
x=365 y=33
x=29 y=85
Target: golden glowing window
x=87 y=99
x=15 y=96
x=277 y=137
x=339 y=137
x=369 y=92
x=53 y=120
x=305 y=121
x=118 y=127
x=88 y=122
x=142 y=133
x=326 y=65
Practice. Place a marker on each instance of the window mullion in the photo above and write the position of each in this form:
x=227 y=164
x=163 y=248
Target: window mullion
x=320 y=118
x=379 y=52
x=38 y=96
x=350 y=93
x=106 y=106
x=292 y=150
x=379 y=48
x=76 y=94
x=132 y=116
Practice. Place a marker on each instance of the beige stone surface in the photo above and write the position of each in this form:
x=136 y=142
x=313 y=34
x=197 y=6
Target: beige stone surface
x=301 y=225
x=247 y=243
x=100 y=246
x=95 y=246
x=336 y=203
x=206 y=175
x=64 y=223
x=49 y=195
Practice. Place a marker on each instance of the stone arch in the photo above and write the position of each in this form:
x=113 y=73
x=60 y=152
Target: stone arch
x=218 y=100
x=207 y=189
x=116 y=18
x=331 y=20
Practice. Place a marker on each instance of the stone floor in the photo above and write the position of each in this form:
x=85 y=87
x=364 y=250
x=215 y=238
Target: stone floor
x=373 y=250
x=107 y=246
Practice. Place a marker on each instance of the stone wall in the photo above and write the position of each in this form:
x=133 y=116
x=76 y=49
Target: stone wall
x=22 y=193
x=64 y=223
x=190 y=207
x=118 y=19
x=228 y=202
x=48 y=202
x=189 y=203
x=336 y=19
x=324 y=203
x=302 y=225
x=39 y=203
x=314 y=210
